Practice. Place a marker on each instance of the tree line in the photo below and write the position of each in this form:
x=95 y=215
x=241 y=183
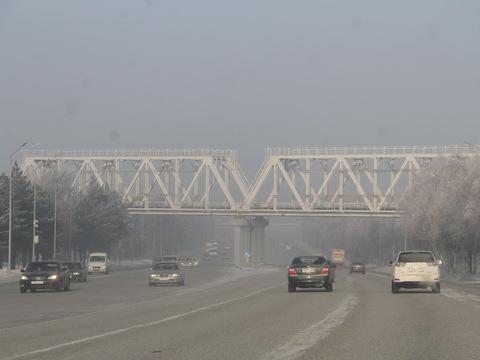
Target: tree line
x=440 y=213
x=95 y=219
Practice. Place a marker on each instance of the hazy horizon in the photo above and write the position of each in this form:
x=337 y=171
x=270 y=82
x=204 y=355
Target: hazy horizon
x=242 y=75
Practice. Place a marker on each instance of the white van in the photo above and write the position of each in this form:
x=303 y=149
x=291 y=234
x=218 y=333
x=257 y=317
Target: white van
x=415 y=269
x=98 y=262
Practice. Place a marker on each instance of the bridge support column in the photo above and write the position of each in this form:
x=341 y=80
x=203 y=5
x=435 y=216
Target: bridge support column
x=249 y=240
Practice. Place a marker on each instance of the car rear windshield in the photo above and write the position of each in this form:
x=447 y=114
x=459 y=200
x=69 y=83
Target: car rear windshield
x=309 y=260
x=170 y=258
x=43 y=266
x=97 y=258
x=73 y=265
x=416 y=257
x=168 y=266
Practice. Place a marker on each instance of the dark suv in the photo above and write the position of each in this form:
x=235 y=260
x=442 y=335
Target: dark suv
x=77 y=271
x=44 y=275
x=311 y=272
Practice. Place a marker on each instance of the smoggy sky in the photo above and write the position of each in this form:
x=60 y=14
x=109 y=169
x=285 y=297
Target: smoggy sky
x=239 y=75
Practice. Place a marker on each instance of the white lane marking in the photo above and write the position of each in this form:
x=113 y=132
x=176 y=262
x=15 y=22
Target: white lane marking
x=307 y=338
x=140 y=326
x=447 y=292
x=379 y=275
x=459 y=295
x=229 y=277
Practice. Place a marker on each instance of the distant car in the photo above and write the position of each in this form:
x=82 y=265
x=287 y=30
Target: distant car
x=169 y=258
x=44 y=275
x=358 y=267
x=337 y=256
x=98 y=262
x=189 y=262
x=77 y=271
x=415 y=269
x=310 y=272
x=166 y=273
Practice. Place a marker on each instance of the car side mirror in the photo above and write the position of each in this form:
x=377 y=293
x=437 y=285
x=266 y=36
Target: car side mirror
x=390 y=262
x=22 y=270
x=64 y=269
x=439 y=262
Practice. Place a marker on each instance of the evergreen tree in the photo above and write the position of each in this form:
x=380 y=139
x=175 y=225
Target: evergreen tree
x=101 y=219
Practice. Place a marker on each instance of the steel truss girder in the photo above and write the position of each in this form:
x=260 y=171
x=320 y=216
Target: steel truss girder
x=365 y=181
x=144 y=181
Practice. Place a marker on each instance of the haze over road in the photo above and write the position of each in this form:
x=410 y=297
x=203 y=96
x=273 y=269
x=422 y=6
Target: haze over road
x=221 y=313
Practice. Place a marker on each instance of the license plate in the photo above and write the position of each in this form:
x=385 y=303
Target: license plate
x=37 y=282
x=96 y=268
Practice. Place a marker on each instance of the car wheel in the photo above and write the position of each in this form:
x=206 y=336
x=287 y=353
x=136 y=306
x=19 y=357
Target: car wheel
x=33 y=290
x=436 y=289
x=291 y=288
x=150 y=284
x=67 y=287
x=23 y=291
x=329 y=287
x=364 y=273
x=394 y=288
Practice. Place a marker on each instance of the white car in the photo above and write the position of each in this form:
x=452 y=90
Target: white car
x=415 y=269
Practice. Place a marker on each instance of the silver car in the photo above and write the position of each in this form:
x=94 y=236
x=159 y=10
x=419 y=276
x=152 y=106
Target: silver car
x=166 y=273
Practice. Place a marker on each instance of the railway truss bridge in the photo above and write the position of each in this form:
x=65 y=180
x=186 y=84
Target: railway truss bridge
x=351 y=181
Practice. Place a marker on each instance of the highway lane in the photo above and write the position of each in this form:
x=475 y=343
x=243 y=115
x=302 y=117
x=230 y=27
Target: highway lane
x=100 y=293
x=220 y=315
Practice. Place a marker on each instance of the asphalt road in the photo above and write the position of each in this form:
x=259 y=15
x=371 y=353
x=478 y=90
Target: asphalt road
x=233 y=314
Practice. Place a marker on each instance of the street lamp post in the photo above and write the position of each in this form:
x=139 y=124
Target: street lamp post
x=55 y=220
x=35 y=222
x=10 y=207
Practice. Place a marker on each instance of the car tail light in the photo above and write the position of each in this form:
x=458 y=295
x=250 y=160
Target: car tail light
x=400 y=263
x=292 y=271
x=324 y=270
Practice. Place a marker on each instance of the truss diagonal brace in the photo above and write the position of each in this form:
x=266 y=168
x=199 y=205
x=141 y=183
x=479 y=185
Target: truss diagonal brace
x=161 y=184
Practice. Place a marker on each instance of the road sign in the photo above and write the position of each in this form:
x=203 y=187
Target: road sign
x=35 y=239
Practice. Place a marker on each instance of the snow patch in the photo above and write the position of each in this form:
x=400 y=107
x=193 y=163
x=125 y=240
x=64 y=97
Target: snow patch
x=9 y=276
x=309 y=337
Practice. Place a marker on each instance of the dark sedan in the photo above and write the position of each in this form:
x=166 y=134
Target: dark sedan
x=44 y=275
x=358 y=267
x=310 y=272
x=77 y=271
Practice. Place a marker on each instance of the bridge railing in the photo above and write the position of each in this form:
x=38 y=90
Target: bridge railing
x=375 y=150
x=108 y=154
